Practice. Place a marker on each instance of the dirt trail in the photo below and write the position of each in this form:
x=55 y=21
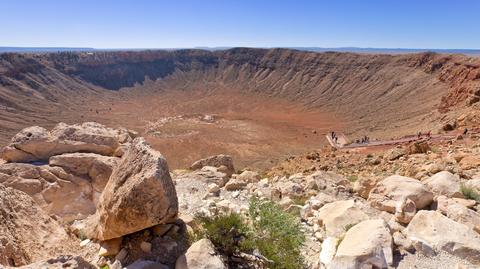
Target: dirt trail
x=343 y=144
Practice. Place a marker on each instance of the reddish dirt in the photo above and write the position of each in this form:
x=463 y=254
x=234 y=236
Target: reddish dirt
x=393 y=142
x=257 y=131
x=266 y=102
x=384 y=145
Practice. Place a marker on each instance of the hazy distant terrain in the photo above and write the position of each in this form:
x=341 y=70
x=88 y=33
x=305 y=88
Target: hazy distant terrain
x=42 y=49
x=469 y=52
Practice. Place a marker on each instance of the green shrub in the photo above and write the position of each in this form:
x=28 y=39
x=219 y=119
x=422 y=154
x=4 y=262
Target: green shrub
x=277 y=235
x=348 y=226
x=228 y=232
x=81 y=235
x=352 y=178
x=274 y=233
x=395 y=168
x=470 y=193
x=300 y=200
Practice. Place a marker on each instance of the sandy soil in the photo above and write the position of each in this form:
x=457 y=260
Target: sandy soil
x=188 y=126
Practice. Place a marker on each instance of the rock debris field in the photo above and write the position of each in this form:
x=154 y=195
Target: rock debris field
x=90 y=196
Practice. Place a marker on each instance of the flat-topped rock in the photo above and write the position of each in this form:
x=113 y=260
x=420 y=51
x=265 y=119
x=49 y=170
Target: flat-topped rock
x=459 y=213
x=339 y=216
x=444 y=183
x=366 y=245
x=36 y=143
x=430 y=230
x=224 y=162
x=393 y=190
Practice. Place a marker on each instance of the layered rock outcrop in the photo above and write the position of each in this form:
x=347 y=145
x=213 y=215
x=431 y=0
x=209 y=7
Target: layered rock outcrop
x=27 y=233
x=38 y=144
x=65 y=169
x=55 y=190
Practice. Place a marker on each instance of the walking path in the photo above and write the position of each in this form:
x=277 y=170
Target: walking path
x=342 y=141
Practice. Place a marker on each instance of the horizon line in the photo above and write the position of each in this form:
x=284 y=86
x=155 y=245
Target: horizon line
x=225 y=47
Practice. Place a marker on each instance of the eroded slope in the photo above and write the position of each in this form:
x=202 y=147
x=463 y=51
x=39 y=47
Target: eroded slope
x=265 y=103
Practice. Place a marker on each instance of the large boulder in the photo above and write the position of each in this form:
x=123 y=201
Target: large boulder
x=459 y=213
x=249 y=176
x=28 y=138
x=338 y=216
x=235 y=184
x=23 y=177
x=418 y=147
x=212 y=175
x=313 y=204
x=470 y=162
x=393 y=190
x=430 y=231
x=97 y=167
x=71 y=185
x=69 y=196
x=394 y=154
x=290 y=189
x=365 y=245
x=200 y=255
x=27 y=233
x=36 y=143
x=473 y=184
x=443 y=202
x=363 y=186
x=328 y=182
x=444 y=183
x=140 y=194
x=216 y=161
x=56 y=191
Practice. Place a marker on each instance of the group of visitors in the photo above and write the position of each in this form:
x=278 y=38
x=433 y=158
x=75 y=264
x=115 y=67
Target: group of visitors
x=363 y=140
x=366 y=140
x=427 y=135
x=334 y=137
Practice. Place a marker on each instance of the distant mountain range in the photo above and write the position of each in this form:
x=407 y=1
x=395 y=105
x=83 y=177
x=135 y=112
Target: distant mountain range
x=470 y=52
x=42 y=49
x=473 y=52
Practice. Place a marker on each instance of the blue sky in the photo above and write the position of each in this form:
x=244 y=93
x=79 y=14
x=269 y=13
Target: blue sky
x=254 y=23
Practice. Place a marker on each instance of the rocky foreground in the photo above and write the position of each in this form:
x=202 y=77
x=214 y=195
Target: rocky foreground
x=88 y=196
